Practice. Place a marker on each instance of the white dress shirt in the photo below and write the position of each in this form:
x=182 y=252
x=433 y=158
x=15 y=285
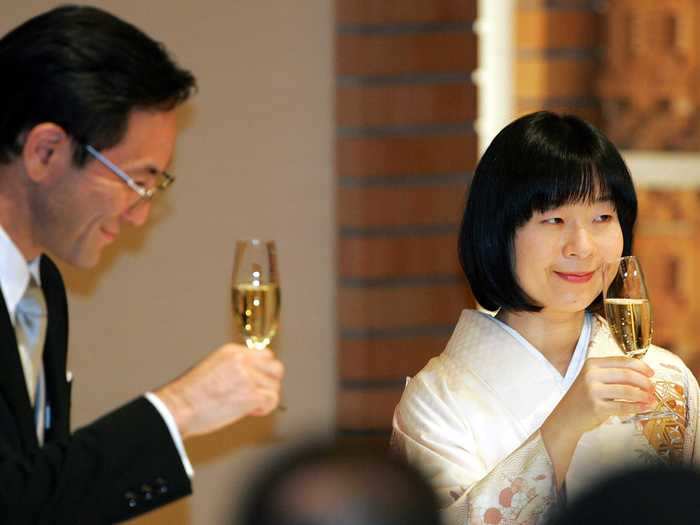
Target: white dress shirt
x=15 y=273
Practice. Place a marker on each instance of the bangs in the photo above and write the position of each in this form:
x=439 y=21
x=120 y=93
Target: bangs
x=568 y=184
x=537 y=163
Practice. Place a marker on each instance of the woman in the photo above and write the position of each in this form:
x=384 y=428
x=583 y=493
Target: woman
x=516 y=412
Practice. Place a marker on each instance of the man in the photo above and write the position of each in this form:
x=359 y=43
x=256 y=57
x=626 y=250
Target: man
x=87 y=129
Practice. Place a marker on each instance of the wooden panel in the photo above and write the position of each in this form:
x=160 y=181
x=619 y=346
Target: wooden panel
x=670 y=264
x=406 y=155
x=552 y=5
x=663 y=206
x=399 y=257
x=401 y=11
x=667 y=240
x=436 y=305
x=541 y=78
x=367 y=409
x=400 y=54
x=387 y=359
x=401 y=205
x=407 y=104
x=547 y=29
x=650 y=71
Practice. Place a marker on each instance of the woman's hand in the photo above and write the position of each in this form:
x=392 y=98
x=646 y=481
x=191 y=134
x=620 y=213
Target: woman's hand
x=606 y=386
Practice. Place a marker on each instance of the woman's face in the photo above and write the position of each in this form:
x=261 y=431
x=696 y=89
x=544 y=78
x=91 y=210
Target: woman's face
x=559 y=254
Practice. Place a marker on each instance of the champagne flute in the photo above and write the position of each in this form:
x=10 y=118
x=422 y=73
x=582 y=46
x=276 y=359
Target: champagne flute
x=255 y=292
x=629 y=315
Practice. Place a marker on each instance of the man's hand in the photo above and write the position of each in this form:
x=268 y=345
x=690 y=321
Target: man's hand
x=231 y=383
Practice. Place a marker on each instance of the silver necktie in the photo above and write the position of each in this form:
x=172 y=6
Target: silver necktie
x=30 y=328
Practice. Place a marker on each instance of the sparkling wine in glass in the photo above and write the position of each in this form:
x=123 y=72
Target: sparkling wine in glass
x=255 y=292
x=629 y=315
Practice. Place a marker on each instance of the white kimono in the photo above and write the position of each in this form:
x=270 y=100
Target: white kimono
x=470 y=421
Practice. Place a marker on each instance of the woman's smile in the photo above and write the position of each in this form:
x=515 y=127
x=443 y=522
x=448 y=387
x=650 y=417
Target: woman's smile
x=576 y=277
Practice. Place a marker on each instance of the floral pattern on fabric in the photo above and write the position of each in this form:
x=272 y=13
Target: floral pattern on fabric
x=524 y=501
x=519 y=492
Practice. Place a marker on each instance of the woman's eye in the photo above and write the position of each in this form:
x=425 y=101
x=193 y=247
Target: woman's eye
x=553 y=220
x=603 y=218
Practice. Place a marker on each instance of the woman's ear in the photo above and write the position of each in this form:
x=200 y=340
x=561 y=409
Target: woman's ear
x=46 y=147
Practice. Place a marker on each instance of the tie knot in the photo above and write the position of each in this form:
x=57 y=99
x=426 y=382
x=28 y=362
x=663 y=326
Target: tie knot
x=32 y=303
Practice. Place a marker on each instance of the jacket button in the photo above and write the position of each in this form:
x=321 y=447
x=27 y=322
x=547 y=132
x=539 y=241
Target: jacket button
x=147 y=492
x=161 y=486
x=130 y=499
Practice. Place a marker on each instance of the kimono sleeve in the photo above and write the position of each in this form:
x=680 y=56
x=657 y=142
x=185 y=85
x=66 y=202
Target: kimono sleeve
x=428 y=433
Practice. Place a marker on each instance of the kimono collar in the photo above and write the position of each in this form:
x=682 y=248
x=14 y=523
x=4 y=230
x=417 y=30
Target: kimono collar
x=526 y=384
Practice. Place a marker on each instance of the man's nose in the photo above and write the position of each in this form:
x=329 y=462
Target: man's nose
x=137 y=214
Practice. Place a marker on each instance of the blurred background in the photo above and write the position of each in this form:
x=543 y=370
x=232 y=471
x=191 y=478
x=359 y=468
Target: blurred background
x=348 y=131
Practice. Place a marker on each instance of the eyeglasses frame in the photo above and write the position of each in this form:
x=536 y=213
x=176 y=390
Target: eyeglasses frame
x=146 y=194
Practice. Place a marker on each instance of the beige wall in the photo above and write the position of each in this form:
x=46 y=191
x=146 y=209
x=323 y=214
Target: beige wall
x=254 y=159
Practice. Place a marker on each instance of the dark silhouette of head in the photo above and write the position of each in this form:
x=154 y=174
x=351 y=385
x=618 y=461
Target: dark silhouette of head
x=325 y=484
x=652 y=496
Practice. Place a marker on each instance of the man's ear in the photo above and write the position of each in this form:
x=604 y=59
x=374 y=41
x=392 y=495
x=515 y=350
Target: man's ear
x=46 y=147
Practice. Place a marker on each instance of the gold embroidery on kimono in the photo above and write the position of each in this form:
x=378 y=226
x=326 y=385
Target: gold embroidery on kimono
x=667 y=435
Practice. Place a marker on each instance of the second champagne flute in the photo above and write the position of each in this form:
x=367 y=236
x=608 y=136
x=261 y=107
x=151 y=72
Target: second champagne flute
x=629 y=315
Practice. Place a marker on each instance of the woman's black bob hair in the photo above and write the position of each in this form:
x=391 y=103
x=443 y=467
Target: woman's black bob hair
x=538 y=162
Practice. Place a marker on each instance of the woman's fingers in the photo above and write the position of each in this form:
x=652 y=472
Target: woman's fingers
x=622 y=409
x=619 y=386
x=625 y=393
x=622 y=362
x=624 y=376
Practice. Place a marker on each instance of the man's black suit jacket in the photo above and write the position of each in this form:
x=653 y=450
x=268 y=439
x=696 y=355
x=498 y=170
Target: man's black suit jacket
x=122 y=465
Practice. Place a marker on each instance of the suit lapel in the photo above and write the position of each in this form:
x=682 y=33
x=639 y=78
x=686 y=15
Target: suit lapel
x=12 y=382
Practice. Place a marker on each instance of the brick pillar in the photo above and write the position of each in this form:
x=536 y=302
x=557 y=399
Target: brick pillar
x=557 y=57
x=405 y=150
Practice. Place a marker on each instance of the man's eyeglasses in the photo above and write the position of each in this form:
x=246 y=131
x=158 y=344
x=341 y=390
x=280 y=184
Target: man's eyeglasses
x=161 y=179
